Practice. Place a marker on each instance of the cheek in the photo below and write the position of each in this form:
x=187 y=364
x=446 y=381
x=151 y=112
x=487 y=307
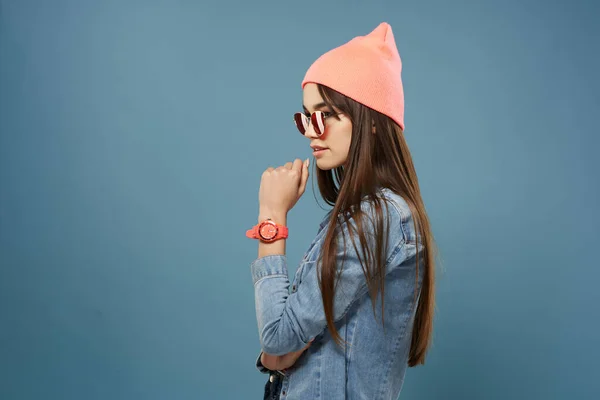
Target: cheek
x=339 y=147
x=342 y=140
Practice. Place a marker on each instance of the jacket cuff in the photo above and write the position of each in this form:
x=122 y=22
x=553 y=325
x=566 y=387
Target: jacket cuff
x=271 y=265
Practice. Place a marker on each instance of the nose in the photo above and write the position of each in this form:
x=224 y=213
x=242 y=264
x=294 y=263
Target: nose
x=310 y=131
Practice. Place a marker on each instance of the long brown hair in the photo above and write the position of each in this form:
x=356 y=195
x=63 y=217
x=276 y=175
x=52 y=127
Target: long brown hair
x=375 y=160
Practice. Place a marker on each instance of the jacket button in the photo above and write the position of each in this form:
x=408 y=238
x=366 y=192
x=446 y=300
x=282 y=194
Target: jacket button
x=293 y=288
x=271 y=378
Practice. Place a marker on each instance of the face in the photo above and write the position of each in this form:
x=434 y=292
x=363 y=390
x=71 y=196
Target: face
x=337 y=135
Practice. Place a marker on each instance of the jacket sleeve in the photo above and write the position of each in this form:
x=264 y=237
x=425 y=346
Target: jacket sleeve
x=287 y=322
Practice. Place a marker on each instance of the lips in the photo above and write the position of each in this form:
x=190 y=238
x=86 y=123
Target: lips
x=319 y=151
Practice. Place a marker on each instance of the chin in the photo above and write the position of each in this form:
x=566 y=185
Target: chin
x=325 y=164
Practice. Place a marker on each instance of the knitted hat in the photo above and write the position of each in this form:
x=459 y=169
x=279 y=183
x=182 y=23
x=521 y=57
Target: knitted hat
x=367 y=69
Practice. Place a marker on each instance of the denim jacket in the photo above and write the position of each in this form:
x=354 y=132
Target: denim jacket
x=373 y=364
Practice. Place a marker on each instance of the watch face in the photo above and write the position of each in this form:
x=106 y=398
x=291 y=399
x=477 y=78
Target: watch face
x=268 y=230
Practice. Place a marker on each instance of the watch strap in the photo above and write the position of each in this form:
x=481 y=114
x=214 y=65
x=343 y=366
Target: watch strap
x=282 y=231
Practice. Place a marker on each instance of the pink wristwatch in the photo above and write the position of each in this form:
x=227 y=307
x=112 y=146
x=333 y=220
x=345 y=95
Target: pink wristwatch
x=268 y=231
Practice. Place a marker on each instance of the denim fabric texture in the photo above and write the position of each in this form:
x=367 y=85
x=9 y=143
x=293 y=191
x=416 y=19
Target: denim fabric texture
x=373 y=364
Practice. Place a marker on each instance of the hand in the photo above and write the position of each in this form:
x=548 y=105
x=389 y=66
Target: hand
x=278 y=363
x=281 y=187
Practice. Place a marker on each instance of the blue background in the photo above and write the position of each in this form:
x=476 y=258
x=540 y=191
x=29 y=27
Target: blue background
x=132 y=139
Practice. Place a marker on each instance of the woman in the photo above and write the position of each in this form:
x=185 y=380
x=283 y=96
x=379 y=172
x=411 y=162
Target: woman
x=361 y=304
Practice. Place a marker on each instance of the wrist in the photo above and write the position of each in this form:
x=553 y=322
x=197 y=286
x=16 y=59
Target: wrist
x=277 y=216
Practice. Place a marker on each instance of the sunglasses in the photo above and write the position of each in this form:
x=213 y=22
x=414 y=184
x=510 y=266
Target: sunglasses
x=317 y=118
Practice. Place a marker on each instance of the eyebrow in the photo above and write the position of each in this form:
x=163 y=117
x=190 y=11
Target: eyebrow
x=317 y=106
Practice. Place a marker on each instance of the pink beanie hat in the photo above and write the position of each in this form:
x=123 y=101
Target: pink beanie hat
x=367 y=69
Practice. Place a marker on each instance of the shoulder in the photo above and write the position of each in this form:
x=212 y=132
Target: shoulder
x=398 y=212
x=392 y=208
x=404 y=213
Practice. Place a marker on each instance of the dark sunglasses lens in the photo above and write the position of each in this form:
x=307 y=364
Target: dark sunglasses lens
x=318 y=122
x=299 y=121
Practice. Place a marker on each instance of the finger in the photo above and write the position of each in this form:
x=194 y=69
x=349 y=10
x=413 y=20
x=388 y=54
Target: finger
x=304 y=178
x=266 y=172
x=298 y=165
x=288 y=165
